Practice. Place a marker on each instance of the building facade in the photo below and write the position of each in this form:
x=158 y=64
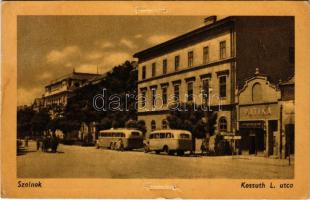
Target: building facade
x=207 y=66
x=259 y=116
x=265 y=114
x=287 y=103
x=60 y=89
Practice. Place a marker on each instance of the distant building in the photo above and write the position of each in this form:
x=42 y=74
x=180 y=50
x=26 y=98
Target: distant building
x=212 y=62
x=38 y=104
x=287 y=102
x=21 y=107
x=60 y=89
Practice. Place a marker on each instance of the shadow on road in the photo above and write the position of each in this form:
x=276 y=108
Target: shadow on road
x=22 y=151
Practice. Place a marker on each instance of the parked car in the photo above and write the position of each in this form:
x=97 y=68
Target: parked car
x=169 y=141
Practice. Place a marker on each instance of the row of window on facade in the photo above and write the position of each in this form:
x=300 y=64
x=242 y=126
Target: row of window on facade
x=205 y=91
x=190 y=60
x=222 y=124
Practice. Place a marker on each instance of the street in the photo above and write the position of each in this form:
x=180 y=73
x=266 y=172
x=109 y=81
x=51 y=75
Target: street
x=89 y=162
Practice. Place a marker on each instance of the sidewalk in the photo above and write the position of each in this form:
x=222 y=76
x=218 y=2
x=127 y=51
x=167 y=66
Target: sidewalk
x=265 y=160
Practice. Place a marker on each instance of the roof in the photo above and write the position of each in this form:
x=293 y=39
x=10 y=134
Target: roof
x=177 y=131
x=75 y=76
x=184 y=37
x=291 y=81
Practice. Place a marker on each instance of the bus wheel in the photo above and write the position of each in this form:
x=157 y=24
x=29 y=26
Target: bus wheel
x=180 y=153
x=146 y=149
x=166 y=149
x=157 y=151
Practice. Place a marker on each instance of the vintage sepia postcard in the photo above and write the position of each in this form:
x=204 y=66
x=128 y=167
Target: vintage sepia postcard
x=139 y=99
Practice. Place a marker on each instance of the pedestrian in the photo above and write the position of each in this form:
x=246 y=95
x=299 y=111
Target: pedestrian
x=203 y=146
x=54 y=143
x=38 y=142
x=26 y=141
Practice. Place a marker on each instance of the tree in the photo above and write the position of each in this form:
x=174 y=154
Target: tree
x=191 y=117
x=24 y=117
x=40 y=121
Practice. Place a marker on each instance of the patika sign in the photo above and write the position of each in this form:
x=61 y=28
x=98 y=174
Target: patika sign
x=259 y=112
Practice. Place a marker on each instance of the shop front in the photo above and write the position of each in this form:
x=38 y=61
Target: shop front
x=258 y=115
x=258 y=128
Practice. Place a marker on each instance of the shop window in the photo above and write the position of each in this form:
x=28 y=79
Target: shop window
x=223 y=124
x=153 y=125
x=257 y=92
x=164 y=124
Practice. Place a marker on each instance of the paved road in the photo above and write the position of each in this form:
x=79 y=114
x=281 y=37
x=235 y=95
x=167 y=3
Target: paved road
x=88 y=162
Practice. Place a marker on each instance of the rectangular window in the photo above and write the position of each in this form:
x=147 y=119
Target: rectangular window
x=205 y=89
x=205 y=55
x=176 y=63
x=222 y=86
x=143 y=72
x=222 y=49
x=190 y=91
x=190 y=58
x=153 y=97
x=164 y=95
x=143 y=102
x=153 y=69
x=165 y=66
x=176 y=93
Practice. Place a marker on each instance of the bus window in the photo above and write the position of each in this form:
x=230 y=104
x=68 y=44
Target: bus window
x=162 y=135
x=168 y=135
x=122 y=134
x=156 y=135
x=137 y=134
x=184 y=136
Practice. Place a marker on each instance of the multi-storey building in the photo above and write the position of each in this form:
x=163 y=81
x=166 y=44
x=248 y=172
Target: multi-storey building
x=38 y=104
x=60 y=89
x=214 y=59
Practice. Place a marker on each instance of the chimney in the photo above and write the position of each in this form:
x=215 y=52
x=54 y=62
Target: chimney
x=210 y=20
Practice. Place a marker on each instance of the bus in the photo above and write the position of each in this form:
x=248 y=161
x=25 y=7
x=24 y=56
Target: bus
x=169 y=141
x=120 y=139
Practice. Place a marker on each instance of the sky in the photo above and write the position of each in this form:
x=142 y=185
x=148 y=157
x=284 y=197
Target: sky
x=51 y=46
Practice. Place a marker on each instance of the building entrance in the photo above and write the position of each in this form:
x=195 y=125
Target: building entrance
x=253 y=137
